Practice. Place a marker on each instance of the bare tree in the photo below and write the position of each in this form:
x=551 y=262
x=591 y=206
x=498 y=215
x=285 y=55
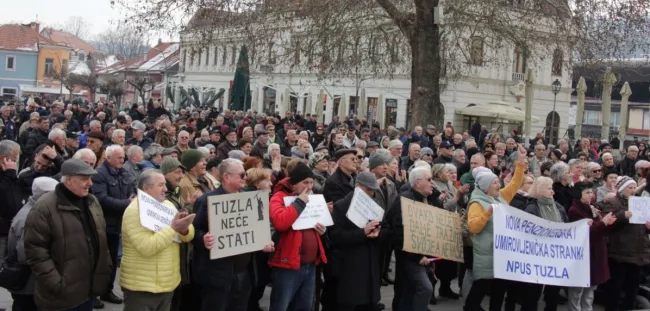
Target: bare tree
x=113 y=87
x=78 y=26
x=123 y=41
x=143 y=84
x=431 y=41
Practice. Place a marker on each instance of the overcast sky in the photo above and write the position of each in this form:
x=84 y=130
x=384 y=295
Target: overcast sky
x=54 y=13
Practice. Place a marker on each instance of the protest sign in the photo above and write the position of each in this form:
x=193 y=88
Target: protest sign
x=640 y=209
x=316 y=211
x=240 y=222
x=155 y=215
x=535 y=250
x=363 y=209
x=429 y=230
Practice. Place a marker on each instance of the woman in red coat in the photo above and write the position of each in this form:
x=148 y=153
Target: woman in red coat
x=582 y=298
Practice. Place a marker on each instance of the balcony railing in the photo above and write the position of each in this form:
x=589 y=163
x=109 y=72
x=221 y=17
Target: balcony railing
x=517 y=76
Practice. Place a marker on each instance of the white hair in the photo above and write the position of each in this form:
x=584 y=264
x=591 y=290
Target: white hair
x=112 y=148
x=101 y=114
x=8 y=147
x=417 y=174
x=271 y=147
x=55 y=132
x=204 y=150
x=95 y=123
x=227 y=166
x=117 y=132
x=85 y=151
x=134 y=150
x=68 y=113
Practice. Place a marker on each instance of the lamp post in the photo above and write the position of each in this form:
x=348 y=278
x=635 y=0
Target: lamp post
x=556 y=86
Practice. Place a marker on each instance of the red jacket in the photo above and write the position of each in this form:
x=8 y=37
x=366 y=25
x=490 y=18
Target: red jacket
x=287 y=252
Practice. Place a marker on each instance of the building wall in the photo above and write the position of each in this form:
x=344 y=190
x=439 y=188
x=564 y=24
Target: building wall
x=24 y=72
x=58 y=54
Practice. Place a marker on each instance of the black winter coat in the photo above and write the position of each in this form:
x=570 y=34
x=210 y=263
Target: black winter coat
x=338 y=186
x=36 y=138
x=626 y=167
x=11 y=197
x=358 y=263
x=113 y=188
x=563 y=195
x=626 y=243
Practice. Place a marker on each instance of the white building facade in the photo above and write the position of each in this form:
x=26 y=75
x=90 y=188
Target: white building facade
x=272 y=79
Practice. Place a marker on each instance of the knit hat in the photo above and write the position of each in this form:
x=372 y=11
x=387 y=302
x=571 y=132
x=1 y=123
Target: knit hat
x=169 y=164
x=394 y=144
x=379 y=158
x=480 y=169
x=300 y=173
x=622 y=182
x=415 y=138
x=484 y=180
x=191 y=157
x=43 y=185
x=317 y=157
x=426 y=150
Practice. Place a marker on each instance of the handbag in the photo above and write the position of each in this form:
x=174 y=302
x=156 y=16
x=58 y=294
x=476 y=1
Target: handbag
x=13 y=275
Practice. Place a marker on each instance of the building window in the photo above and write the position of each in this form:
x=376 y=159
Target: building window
x=64 y=67
x=615 y=119
x=233 y=59
x=646 y=119
x=198 y=57
x=10 y=64
x=591 y=117
x=207 y=56
x=191 y=62
x=476 y=51
x=519 y=61
x=8 y=93
x=394 y=53
x=215 y=61
x=271 y=56
x=224 y=55
x=558 y=59
x=49 y=67
x=296 y=51
x=82 y=56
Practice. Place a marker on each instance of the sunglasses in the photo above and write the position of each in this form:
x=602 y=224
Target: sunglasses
x=596 y=171
x=242 y=175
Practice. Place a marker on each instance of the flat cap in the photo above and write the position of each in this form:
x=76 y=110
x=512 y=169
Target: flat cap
x=168 y=151
x=137 y=125
x=76 y=167
x=367 y=179
x=342 y=152
x=372 y=144
x=98 y=135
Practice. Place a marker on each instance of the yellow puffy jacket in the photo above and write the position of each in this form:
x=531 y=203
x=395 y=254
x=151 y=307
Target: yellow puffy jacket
x=150 y=260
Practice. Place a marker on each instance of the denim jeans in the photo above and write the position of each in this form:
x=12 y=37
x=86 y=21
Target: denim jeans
x=293 y=290
x=417 y=289
x=581 y=298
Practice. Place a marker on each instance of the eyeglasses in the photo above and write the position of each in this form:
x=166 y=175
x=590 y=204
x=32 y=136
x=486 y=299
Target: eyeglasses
x=185 y=138
x=319 y=129
x=360 y=157
x=271 y=129
x=242 y=175
x=596 y=171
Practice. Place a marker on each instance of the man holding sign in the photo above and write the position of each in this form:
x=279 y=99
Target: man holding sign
x=413 y=289
x=151 y=260
x=359 y=266
x=294 y=265
x=226 y=281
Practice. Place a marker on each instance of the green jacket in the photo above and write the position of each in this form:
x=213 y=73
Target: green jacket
x=483 y=242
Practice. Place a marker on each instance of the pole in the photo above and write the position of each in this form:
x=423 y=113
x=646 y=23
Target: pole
x=553 y=121
x=609 y=79
x=529 y=106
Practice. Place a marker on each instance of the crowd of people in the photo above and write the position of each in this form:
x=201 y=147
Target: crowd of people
x=70 y=219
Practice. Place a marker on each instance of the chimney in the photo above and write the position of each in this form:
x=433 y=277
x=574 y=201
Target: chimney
x=159 y=41
x=36 y=26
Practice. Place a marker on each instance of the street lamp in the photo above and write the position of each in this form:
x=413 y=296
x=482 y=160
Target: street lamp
x=556 y=86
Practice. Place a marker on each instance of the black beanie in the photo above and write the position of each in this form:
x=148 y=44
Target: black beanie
x=300 y=173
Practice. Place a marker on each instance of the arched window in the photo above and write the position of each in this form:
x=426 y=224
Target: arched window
x=558 y=59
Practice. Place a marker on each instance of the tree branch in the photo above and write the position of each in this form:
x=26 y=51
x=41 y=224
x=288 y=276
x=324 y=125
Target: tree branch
x=400 y=18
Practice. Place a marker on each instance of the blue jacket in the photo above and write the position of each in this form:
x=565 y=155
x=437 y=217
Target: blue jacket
x=144 y=143
x=113 y=188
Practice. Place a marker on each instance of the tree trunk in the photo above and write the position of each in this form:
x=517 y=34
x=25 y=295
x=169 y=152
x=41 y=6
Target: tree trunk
x=425 y=67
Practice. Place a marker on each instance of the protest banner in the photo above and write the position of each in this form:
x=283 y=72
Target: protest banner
x=535 y=250
x=316 y=211
x=429 y=230
x=155 y=215
x=640 y=209
x=240 y=223
x=363 y=209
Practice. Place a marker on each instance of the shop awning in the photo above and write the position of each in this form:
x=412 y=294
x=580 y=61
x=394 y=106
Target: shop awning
x=498 y=110
x=43 y=89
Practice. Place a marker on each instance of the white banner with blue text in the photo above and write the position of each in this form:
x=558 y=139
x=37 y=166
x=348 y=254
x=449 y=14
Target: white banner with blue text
x=535 y=250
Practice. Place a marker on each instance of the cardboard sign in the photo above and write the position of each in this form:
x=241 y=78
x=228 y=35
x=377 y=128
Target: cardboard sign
x=363 y=209
x=531 y=249
x=240 y=222
x=316 y=211
x=155 y=215
x=640 y=208
x=429 y=230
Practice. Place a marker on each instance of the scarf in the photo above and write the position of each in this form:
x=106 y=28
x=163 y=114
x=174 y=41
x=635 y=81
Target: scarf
x=548 y=210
